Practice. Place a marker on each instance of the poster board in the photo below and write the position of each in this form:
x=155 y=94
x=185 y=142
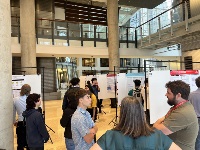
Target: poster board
x=125 y=83
x=157 y=80
x=157 y=99
x=121 y=87
x=33 y=80
x=102 y=83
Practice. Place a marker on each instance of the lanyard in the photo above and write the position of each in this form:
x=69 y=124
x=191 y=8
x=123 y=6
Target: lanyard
x=175 y=107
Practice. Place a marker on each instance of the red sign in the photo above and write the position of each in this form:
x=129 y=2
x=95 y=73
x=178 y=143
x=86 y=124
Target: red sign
x=181 y=72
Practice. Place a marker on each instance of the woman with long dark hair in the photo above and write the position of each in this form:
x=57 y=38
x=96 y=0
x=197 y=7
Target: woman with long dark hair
x=133 y=132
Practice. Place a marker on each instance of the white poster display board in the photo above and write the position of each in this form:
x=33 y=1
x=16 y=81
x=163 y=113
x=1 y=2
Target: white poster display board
x=125 y=82
x=130 y=77
x=33 y=80
x=17 y=82
x=102 y=83
x=157 y=99
x=111 y=79
x=157 y=80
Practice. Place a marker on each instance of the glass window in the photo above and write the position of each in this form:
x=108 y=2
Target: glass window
x=88 y=62
x=104 y=62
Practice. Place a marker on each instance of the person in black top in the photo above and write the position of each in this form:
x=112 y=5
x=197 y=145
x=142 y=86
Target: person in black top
x=69 y=94
x=65 y=122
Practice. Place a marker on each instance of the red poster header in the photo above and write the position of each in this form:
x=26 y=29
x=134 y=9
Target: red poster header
x=111 y=75
x=181 y=72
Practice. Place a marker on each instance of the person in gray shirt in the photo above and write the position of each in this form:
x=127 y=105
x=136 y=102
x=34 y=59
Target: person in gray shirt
x=19 y=105
x=194 y=98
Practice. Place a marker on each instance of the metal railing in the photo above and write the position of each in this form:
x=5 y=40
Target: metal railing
x=166 y=19
x=62 y=30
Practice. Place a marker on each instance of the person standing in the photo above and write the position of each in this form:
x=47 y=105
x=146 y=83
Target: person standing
x=69 y=94
x=194 y=98
x=96 y=90
x=19 y=105
x=65 y=122
x=180 y=123
x=82 y=126
x=36 y=131
x=92 y=109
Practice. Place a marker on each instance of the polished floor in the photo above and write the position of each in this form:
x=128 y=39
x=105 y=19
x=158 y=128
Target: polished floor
x=53 y=113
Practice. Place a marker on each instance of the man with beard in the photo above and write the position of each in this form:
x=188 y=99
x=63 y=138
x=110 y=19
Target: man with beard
x=180 y=123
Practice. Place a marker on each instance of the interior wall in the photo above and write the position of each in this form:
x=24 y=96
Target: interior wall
x=195 y=58
x=194 y=7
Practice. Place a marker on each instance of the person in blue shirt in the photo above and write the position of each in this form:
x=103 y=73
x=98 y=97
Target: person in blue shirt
x=132 y=132
x=82 y=126
x=19 y=105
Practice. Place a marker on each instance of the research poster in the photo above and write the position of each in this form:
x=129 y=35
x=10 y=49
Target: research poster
x=111 y=82
x=17 y=82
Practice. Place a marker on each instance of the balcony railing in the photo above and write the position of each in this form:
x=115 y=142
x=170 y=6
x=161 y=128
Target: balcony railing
x=167 y=19
x=63 y=30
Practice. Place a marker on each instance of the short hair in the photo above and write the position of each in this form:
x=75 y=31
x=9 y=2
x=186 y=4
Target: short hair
x=74 y=81
x=31 y=100
x=197 y=81
x=25 y=90
x=179 y=87
x=132 y=120
x=80 y=94
x=137 y=82
x=94 y=79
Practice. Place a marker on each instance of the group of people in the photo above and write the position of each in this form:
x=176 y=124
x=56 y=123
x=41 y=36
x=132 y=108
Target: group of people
x=30 y=126
x=178 y=129
x=79 y=114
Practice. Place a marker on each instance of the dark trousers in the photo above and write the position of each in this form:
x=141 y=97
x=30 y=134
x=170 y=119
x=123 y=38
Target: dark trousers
x=99 y=103
x=21 y=136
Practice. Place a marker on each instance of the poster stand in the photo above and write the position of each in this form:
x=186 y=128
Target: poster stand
x=43 y=112
x=114 y=120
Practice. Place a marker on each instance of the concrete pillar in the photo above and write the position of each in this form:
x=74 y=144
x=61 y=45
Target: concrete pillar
x=113 y=34
x=28 y=38
x=79 y=66
x=6 y=101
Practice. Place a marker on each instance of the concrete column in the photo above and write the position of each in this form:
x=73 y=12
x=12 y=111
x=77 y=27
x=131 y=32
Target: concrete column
x=79 y=67
x=28 y=39
x=6 y=101
x=113 y=34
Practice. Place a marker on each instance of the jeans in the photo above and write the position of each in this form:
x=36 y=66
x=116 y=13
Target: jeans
x=197 y=144
x=69 y=144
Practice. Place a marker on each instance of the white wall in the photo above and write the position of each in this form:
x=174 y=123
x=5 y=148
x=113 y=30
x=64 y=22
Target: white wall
x=195 y=58
x=45 y=49
x=194 y=7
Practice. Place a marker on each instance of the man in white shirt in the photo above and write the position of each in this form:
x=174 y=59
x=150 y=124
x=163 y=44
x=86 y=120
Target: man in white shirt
x=19 y=105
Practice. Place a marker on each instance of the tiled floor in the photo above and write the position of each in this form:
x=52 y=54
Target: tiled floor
x=54 y=113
